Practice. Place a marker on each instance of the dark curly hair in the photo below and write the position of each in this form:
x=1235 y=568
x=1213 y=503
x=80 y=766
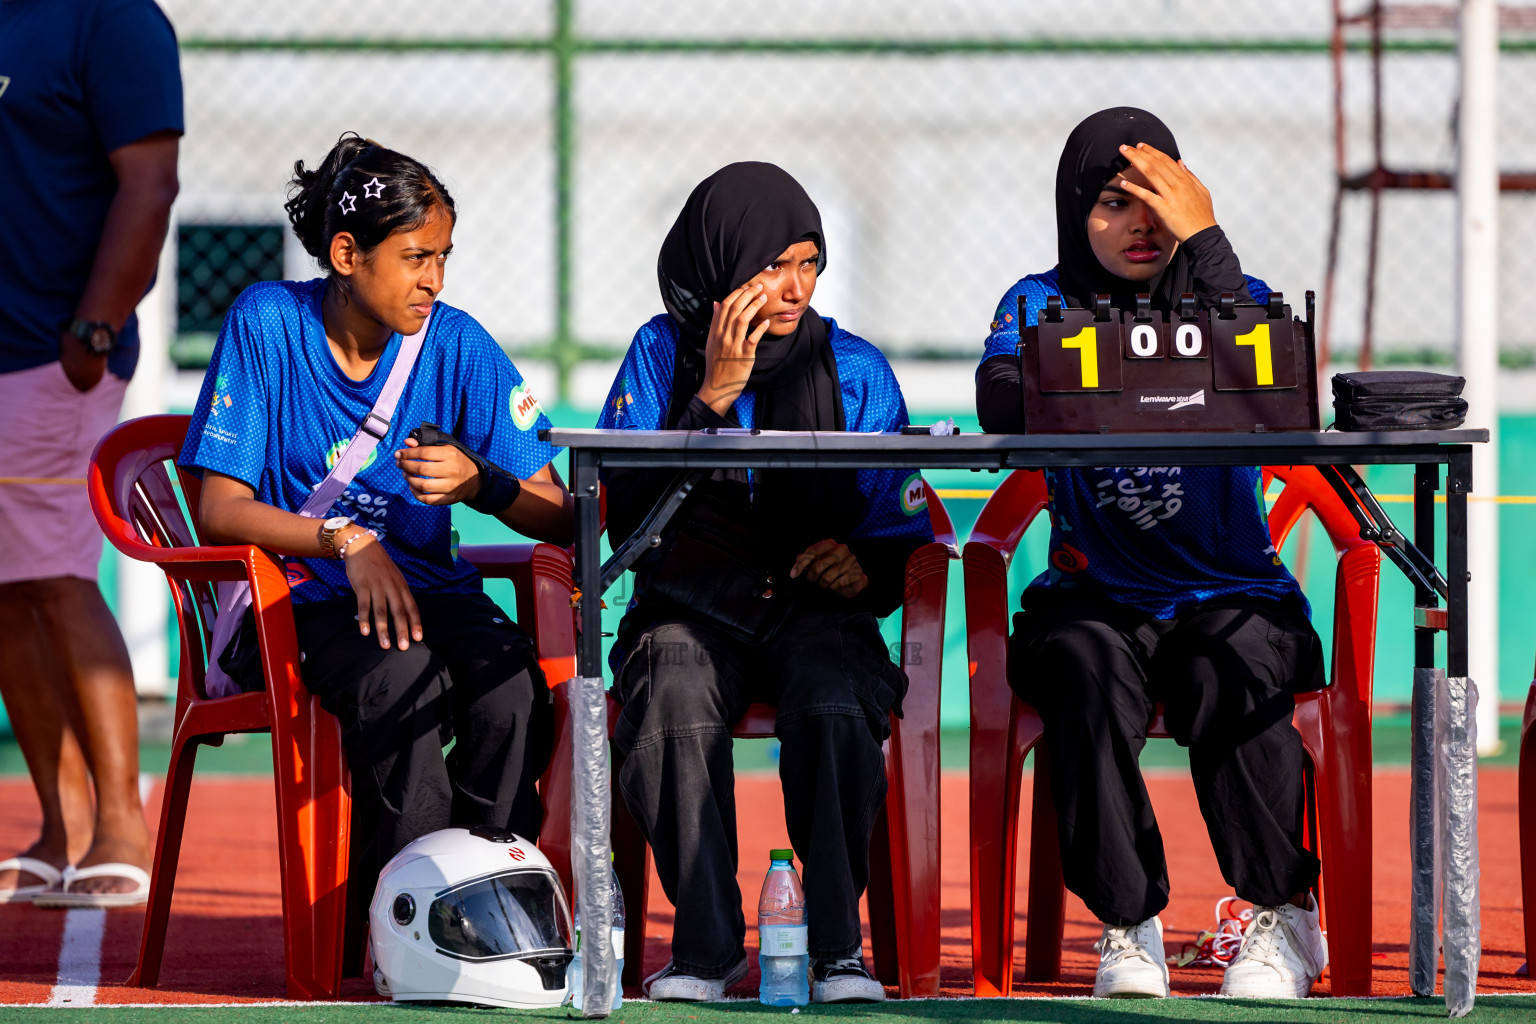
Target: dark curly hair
x=365 y=189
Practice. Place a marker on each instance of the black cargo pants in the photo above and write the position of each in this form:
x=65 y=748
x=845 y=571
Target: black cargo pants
x=683 y=685
x=1225 y=672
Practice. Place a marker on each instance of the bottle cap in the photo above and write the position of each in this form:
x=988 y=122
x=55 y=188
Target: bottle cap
x=781 y=855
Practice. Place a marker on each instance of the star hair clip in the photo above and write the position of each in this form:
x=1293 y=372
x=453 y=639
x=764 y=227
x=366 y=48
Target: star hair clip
x=348 y=202
x=373 y=189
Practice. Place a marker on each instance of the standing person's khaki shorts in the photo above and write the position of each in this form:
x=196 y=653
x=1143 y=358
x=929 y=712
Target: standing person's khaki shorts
x=47 y=432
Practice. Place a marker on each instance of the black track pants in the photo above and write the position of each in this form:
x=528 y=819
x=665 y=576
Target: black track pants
x=1225 y=673
x=473 y=677
x=683 y=686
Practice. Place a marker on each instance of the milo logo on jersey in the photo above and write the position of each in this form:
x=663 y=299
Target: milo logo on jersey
x=340 y=446
x=525 y=408
x=914 y=495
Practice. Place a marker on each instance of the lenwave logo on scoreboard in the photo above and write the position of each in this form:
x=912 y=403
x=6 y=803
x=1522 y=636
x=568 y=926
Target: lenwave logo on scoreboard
x=1173 y=400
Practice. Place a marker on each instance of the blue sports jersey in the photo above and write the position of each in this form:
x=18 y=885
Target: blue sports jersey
x=276 y=412
x=1158 y=538
x=78 y=79
x=895 y=503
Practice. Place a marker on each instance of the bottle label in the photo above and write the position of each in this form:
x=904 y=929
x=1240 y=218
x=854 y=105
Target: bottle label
x=781 y=940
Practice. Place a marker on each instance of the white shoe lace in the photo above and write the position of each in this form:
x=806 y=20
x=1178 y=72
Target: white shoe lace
x=1265 y=943
x=1119 y=943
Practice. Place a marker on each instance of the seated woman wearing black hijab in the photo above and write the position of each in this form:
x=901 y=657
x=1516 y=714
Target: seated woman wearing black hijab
x=768 y=586
x=1162 y=586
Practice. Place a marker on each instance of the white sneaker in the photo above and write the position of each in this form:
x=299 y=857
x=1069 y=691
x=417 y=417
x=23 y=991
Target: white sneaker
x=671 y=985
x=1283 y=953
x=1132 y=964
x=844 y=981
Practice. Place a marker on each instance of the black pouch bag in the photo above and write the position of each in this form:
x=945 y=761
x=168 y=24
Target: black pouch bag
x=1397 y=400
x=707 y=571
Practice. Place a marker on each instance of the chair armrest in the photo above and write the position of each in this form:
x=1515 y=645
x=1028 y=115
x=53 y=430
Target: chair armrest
x=541 y=576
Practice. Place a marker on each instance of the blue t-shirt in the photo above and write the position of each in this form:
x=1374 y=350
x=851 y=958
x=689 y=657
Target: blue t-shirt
x=1158 y=538
x=78 y=79
x=895 y=503
x=276 y=412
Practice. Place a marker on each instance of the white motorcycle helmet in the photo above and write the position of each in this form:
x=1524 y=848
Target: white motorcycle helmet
x=474 y=916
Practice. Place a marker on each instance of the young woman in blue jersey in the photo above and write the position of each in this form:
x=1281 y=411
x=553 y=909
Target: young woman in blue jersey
x=1138 y=604
x=395 y=634
x=740 y=346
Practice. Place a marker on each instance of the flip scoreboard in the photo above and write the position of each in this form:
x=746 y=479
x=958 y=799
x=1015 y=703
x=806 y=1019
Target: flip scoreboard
x=1242 y=367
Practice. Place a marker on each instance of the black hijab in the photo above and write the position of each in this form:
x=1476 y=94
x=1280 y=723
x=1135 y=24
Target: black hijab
x=1090 y=159
x=736 y=222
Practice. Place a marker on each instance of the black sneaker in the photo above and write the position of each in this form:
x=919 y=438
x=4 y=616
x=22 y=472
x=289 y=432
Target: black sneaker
x=844 y=981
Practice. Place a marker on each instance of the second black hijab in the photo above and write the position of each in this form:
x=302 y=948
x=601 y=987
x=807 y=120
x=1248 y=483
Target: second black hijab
x=1090 y=159
x=736 y=222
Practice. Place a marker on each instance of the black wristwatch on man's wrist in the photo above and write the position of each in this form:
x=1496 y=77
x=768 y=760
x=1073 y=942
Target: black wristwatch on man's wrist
x=97 y=336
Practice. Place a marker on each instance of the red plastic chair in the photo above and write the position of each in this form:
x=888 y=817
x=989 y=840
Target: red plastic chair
x=133 y=483
x=1528 y=827
x=904 y=889
x=1335 y=725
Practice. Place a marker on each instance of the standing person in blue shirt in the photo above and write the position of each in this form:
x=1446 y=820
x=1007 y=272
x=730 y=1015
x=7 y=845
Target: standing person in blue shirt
x=740 y=346
x=90 y=122
x=395 y=634
x=1139 y=606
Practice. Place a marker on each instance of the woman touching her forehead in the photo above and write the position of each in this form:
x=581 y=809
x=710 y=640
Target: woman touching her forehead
x=1139 y=606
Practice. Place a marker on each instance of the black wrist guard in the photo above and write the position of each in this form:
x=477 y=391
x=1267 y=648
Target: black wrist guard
x=498 y=488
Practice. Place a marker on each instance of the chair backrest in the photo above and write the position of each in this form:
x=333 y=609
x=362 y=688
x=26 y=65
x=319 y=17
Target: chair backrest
x=943 y=527
x=1011 y=510
x=1023 y=495
x=133 y=483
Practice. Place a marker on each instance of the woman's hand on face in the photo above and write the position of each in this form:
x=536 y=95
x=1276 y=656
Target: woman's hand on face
x=1178 y=198
x=438 y=474
x=382 y=594
x=731 y=347
x=831 y=566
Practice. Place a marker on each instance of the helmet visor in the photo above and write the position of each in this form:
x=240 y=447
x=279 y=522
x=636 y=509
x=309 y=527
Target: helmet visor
x=511 y=915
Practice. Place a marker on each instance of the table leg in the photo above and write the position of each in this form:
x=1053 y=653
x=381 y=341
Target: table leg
x=1457 y=735
x=590 y=805
x=1423 y=920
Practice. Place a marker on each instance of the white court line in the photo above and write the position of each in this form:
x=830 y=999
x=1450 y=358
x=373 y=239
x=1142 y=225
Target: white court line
x=146 y=787
x=79 y=958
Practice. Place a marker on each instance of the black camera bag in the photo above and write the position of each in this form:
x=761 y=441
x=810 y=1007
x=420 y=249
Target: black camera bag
x=1397 y=400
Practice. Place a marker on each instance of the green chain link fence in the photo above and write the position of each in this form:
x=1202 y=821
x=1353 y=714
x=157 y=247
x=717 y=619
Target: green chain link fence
x=571 y=130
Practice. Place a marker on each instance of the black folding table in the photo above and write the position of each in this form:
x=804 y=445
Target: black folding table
x=676 y=452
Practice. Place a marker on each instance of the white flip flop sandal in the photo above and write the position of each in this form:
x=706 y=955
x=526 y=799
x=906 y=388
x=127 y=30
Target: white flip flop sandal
x=32 y=866
x=64 y=897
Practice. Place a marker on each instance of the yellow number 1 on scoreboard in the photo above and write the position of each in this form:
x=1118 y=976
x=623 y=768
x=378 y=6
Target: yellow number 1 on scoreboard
x=1263 y=363
x=1086 y=341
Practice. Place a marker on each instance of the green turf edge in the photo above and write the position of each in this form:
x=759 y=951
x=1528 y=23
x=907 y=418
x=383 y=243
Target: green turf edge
x=1063 y=1011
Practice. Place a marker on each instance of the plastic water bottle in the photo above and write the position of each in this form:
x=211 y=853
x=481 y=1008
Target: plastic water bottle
x=573 y=977
x=781 y=935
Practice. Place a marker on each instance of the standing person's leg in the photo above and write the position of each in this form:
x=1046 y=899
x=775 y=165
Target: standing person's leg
x=103 y=709
x=835 y=686
x=501 y=712
x=682 y=687
x=29 y=683
x=1227 y=674
x=50 y=545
